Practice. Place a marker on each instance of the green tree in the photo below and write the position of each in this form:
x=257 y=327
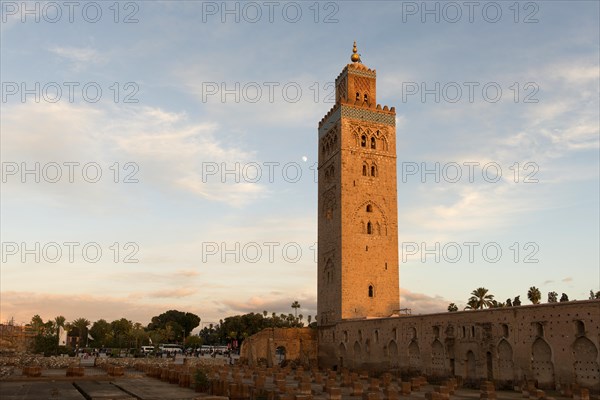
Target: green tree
x=452 y=307
x=509 y=302
x=516 y=301
x=101 y=332
x=295 y=305
x=534 y=295
x=181 y=323
x=37 y=323
x=46 y=336
x=552 y=297
x=121 y=332
x=480 y=299
x=564 y=297
x=193 y=341
x=593 y=295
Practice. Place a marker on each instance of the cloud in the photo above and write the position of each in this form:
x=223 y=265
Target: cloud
x=170 y=150
x=420 y=303
x=452 y=209
x=567 y=279
x=78 y=57
x=23 y=305
x=273 y=302
x=173 y=293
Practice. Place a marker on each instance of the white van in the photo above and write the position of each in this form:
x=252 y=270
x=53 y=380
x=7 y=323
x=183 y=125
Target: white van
x=147 y=350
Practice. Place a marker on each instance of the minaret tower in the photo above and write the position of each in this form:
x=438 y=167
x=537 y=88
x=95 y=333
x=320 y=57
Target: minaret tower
x=358 y=211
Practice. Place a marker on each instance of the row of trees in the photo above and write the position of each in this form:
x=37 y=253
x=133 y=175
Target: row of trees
x=239 y=327
x=169 y=327
x=481 y=298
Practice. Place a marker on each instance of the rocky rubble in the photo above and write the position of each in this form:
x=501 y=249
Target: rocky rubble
x=8 y=364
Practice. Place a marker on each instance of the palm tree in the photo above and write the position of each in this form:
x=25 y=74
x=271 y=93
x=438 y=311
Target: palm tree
x=472 y=303
x=496 y=304
x=452 y=307
x=517 y=301
x=480 y=299
x=81 y=324
x=60 y=321
x=534 y=295
x=552 y=297
x=296 y=306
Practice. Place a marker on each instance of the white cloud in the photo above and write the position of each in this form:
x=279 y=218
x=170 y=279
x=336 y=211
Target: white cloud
x=78 y=57
x=170 y=150
x=420 y=303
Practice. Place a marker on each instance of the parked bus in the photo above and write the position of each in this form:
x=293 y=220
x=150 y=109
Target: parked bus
x=170 y=348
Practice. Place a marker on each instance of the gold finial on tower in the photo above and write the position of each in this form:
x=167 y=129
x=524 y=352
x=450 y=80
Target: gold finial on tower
x=355 y=56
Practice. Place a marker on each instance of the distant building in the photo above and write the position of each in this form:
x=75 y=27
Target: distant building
x=15 y=338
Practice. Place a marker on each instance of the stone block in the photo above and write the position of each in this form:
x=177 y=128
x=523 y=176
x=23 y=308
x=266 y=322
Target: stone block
x=371 y=396
x=405 y=388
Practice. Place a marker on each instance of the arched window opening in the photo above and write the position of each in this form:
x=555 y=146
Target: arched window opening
x=413 y=333
x=364 y=170
x=370 y=290
x=539 y=330
x=363 y=141
x=280 y=354
x=505 y=330
x=579 y=328
x=373 y=170
x=366 y=97
x=472 y=331
x=369 y=228
x=373 y=143
x=357 y=96
x=369 y=208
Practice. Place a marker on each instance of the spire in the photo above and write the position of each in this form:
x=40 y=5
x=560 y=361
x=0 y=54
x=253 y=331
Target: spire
x=355 y=56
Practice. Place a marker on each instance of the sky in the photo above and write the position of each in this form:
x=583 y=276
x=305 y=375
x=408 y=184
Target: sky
x=161 y=155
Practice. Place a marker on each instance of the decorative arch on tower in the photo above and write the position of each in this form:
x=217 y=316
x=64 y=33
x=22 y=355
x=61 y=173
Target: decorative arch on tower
x=368 y=138
x=329 y=204
x=371 y=211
